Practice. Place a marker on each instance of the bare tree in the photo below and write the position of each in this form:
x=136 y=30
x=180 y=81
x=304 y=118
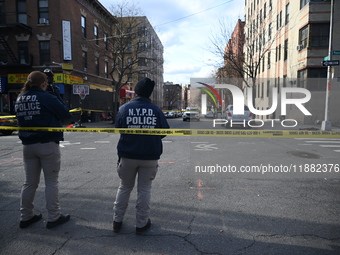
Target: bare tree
x=129 y=45
x=172 y=96
x=243 y=59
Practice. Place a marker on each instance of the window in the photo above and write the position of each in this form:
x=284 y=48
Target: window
x=287 y=14
x=129 y=31
x=270 y=31
x=263 y=60
x=142 y=46
x=23 y=53
x=106 y=69
x=95 y=33
x=264 y=37
x=129 y=47
x=45 y=56
x=22 y=11
x=105 y=42
x=303 y=3
x=284 y=84
x=260 y=42
x=302 y=77
x=96 y=64
x=285 y=54
x=279 y=20
x=268 y=87
x=83 y=26
x=319 y=79
x=278 y=53
x=43 y=10
x=269 y=60
x=142 y=61
x=130 y=61
x=303 y=37
x=84 y=56
x=265 y=11
x=319 y=35
x=142 y=31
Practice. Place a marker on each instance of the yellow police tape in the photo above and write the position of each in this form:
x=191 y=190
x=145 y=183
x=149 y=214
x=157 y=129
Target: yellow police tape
x=192 y=132
x=72 y=110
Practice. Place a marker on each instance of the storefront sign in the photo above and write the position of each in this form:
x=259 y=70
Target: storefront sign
x=71 y=79
x=17 y=78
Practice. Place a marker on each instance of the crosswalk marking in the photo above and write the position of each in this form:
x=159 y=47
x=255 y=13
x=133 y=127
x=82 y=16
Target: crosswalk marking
x=331 y=143
x=323 y=141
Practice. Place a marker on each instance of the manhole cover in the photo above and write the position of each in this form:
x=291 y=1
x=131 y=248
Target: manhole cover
x=303 y=154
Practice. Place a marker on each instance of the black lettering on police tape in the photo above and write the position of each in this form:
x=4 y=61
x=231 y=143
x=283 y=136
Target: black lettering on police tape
x=195 y=132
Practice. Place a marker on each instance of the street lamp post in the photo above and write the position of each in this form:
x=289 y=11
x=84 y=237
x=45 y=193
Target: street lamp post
x=326 y=124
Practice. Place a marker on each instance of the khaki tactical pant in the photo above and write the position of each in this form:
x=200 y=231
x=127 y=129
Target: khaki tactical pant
x=127 y=171
x=45 y=156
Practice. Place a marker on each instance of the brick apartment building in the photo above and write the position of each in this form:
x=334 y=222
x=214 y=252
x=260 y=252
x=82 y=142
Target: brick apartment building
x=233 y=58
x=293 y=39
x=70 y=37
x=172 y=96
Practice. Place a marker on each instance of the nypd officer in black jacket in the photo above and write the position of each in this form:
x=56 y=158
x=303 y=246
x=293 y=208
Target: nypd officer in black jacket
x=138 y=154
x=36 y=107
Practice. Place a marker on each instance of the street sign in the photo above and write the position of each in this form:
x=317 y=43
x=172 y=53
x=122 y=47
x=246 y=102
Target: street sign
x=330 y=63
x=336 y=52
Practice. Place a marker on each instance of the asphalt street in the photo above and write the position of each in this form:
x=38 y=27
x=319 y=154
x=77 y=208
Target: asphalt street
x=195 y=209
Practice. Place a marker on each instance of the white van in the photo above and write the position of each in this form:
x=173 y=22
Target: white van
x=191 y=113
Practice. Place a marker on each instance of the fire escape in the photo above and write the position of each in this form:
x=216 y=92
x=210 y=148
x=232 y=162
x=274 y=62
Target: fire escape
x=9 y=30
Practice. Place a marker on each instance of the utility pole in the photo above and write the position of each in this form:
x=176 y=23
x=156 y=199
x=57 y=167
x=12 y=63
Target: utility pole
x=326 y=124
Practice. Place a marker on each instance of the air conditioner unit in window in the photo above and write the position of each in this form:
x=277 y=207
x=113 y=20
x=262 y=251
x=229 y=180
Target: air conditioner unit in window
x=43 y=21
x=299 y=47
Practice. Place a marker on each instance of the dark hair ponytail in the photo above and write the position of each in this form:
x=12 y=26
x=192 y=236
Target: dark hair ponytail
x=34 y=80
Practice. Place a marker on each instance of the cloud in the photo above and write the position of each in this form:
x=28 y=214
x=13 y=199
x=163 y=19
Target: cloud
x=185 y=29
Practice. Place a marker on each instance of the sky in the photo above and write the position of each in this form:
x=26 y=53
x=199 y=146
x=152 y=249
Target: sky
x=185 y=28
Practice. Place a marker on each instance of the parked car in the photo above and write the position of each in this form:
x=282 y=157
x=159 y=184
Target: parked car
x=191 y=113
x=178 y=113
x=237 y=119
x=170 y=115
x=8 y=122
